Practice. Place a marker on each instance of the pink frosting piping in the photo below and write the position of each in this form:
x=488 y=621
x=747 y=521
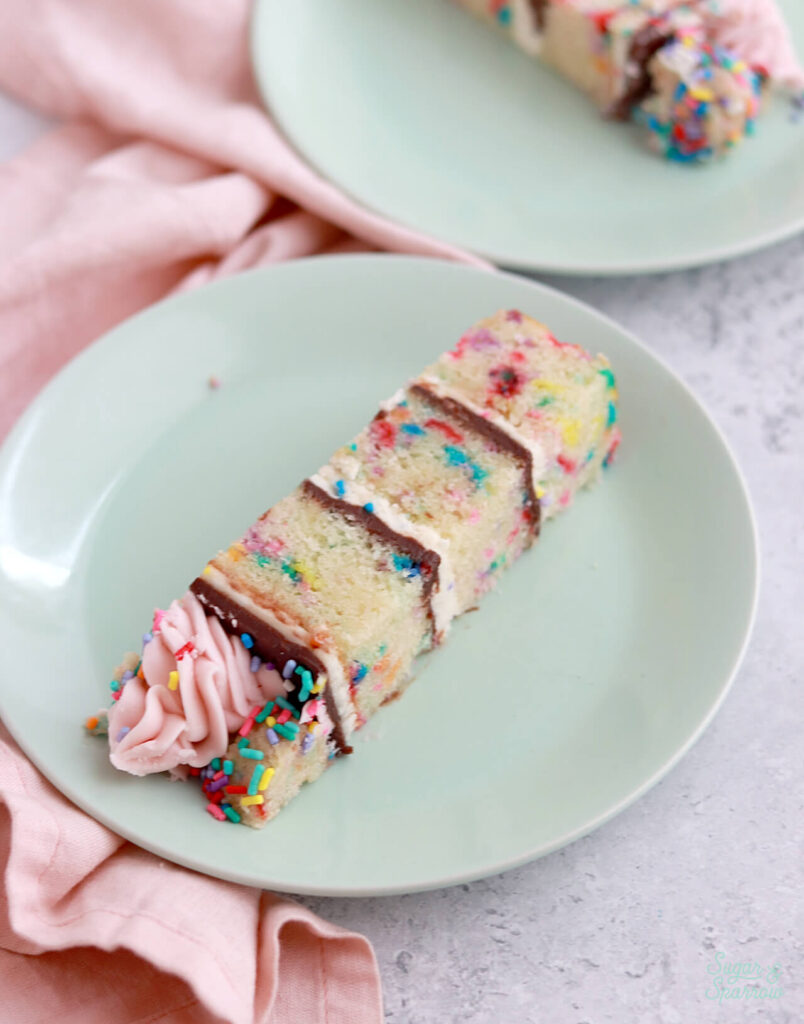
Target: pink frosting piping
x=755 y=30
x=216 y=691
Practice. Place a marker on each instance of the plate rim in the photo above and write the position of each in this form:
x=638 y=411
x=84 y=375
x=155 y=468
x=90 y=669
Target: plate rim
x=17 y=435
x=622 y=268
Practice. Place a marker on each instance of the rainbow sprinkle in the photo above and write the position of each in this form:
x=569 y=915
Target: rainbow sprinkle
x=256 y=776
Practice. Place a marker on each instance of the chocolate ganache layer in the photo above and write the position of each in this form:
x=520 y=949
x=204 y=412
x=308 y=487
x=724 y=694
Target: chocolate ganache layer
x=269 y=644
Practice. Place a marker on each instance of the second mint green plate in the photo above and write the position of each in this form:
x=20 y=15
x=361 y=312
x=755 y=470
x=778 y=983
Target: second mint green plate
x=426 y=115
x=583 y=678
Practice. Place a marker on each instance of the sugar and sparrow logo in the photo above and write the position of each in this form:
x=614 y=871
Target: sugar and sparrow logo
x=744 y=979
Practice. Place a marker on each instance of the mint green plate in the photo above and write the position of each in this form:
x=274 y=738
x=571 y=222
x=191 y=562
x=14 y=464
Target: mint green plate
x=430 y=117
x=598 y=661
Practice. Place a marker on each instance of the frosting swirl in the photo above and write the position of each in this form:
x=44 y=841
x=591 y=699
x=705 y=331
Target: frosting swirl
x=756 y=31
x=154 y=727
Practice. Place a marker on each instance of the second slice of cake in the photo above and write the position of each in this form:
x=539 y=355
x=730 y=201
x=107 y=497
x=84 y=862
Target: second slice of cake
x=692 y=73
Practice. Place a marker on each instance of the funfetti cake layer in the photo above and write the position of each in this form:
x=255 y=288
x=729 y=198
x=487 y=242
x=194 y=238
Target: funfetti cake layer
x=291 y=638
x=500 y=432
x=359 y=588
x=657 y=61
x=443 y=468
x=556 y=398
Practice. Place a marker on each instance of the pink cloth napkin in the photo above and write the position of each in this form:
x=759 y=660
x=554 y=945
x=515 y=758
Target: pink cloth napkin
x=165 y=173
x=96 y=931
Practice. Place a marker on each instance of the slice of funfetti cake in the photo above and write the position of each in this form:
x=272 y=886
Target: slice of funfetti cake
x=295 y=635
x=693 y=73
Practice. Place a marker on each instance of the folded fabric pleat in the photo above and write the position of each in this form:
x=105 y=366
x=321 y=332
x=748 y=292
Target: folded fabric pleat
x=163 y=174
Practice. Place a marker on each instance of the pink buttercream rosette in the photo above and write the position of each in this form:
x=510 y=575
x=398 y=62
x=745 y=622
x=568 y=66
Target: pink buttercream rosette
x=756 y=31
x=153 y=728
